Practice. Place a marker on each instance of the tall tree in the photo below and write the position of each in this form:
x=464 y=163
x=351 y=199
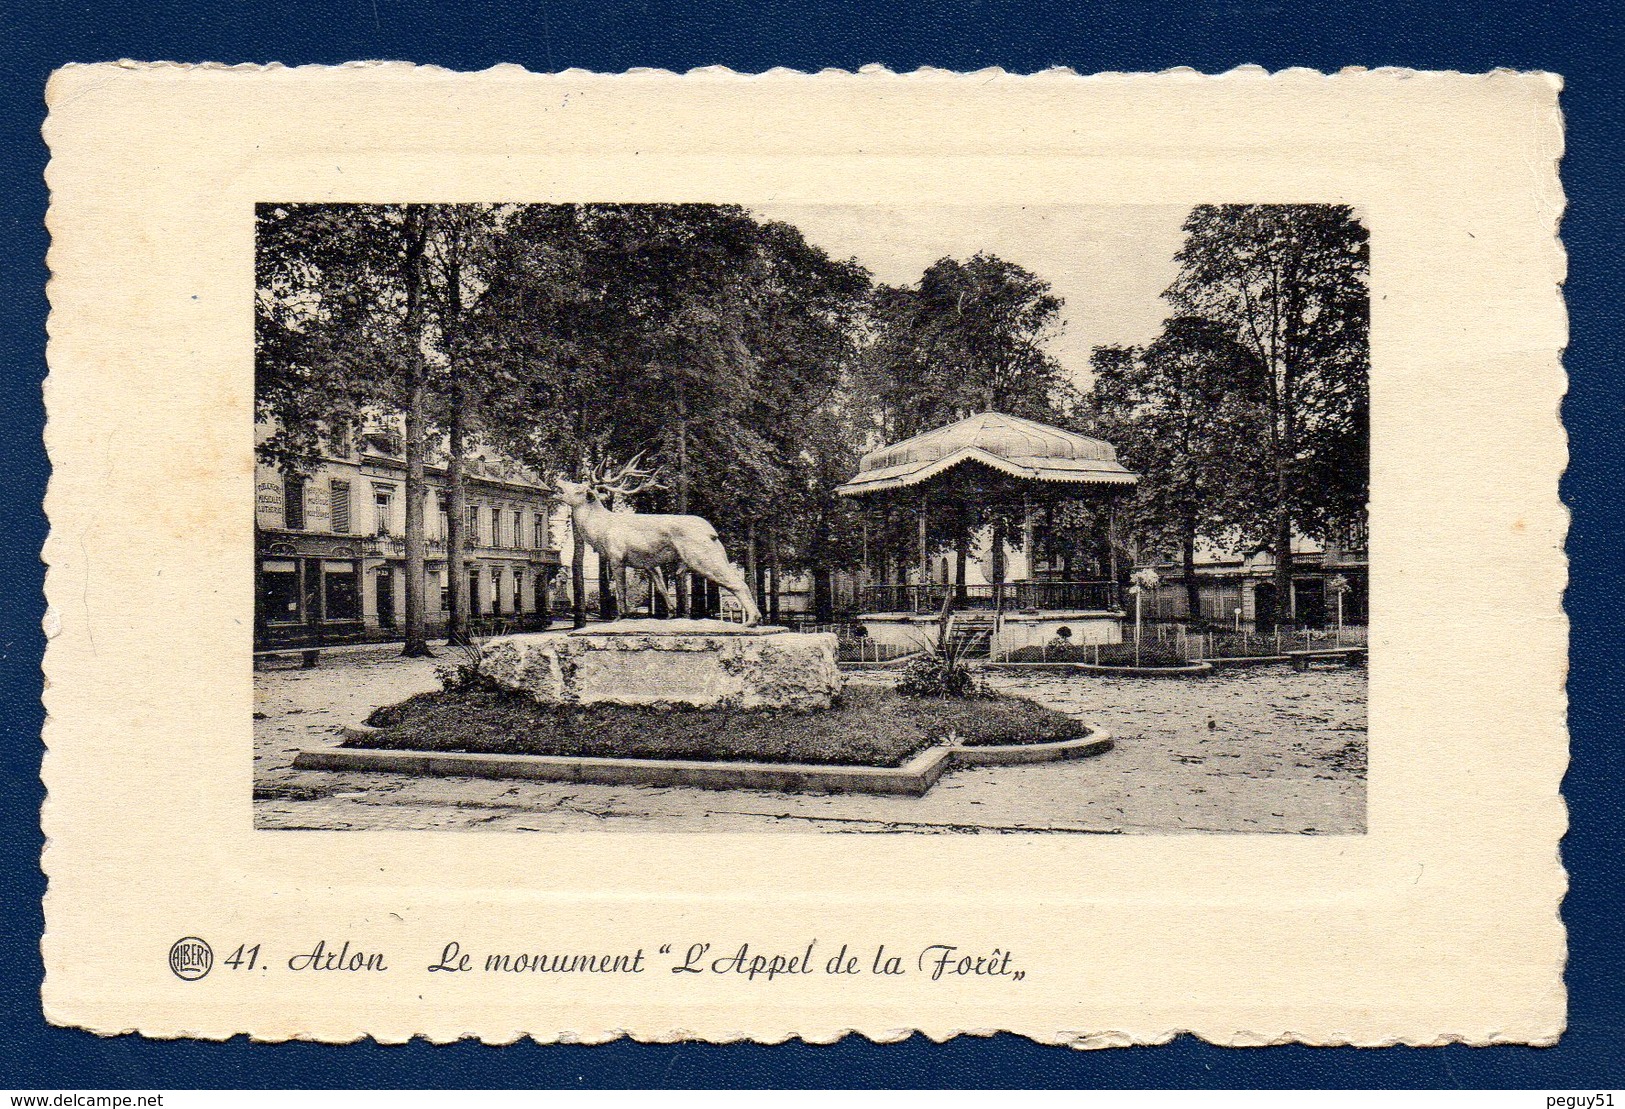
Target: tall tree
x=694 y=333
x=1177 y=418
x=1290 y=283
x=971 y=336
x=340 y=333
x=415 y=234
x=325 y=326
x=463 y=253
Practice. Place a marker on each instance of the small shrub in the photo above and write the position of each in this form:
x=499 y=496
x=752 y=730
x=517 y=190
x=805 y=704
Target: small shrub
x=1054 y=651
x=940 y=670
x=466 y=673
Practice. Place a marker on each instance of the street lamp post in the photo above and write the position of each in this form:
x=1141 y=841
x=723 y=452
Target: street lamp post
x=1339 y=585
x=1143 y=580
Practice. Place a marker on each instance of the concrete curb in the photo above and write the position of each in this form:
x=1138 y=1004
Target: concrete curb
x=911 y=779
x=1010 y=754
x=1031 y=667
x=1192 y=670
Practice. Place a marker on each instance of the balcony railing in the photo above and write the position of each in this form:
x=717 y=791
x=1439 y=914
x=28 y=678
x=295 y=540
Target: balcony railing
x=394 y=546
x=1017 y=596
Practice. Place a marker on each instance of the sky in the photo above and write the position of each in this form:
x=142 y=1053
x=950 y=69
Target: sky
x=1109 y=264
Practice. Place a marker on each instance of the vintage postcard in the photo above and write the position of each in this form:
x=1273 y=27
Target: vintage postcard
x=751 y=557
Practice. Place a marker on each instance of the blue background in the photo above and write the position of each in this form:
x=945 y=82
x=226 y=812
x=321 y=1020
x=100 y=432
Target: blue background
x=1580 y=41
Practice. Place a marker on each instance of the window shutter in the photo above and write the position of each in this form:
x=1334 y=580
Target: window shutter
x=293 y=502
x=340 y=491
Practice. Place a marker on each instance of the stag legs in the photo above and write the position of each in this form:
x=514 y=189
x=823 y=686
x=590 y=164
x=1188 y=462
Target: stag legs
x=657 y=579
x=620 y=587
x=713 y=565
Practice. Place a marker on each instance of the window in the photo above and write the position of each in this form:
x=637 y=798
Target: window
x=541 y=532
x=496 y=528
x=445 y=586
x=293 y=501
x=279 y=592
x=518 y=594
x=496 y=591
x=473 y=525
x=474 y=593
x=341 y=599
x=445 y=522
x=383 y=497
x=340 y=493
x=518 y=528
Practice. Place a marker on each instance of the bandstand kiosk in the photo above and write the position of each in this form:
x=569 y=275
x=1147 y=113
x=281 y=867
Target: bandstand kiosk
x=953 y=479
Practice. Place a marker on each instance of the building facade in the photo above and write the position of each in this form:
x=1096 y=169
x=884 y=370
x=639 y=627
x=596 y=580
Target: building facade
x=1235 y=587
x=330 y=547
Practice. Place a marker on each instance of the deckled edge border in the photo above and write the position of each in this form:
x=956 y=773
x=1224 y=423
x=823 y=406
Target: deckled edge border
x=874 y=72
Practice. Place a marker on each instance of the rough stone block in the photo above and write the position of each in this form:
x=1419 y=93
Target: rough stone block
x=697 y=663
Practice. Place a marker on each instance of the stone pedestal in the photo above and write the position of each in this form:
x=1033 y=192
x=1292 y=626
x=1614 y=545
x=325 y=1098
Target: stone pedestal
x=696 y=663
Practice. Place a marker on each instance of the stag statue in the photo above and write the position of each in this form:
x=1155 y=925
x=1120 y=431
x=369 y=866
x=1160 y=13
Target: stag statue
x=648 y=541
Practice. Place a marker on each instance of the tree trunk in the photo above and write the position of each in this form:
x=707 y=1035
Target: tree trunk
x=679 y=431
x=578 y=544
x=1283 y=565
x=680 y=437
x=457 y=596
x=606 y=595
x=774 y=571
x=750 y=556
x=456 y=527
x=417 y=643
x=1286 y=448
x=752 y=563
x=1193 y=591
x=961 y=560
x=1283 y=526
x=1029 y=536
x=701 y=594
x=1116 y=572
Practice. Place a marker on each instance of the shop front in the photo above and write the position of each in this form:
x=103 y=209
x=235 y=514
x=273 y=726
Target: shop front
x=308 y=591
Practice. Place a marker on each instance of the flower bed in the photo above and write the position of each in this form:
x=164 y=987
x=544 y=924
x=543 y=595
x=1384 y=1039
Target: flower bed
x=869 y=726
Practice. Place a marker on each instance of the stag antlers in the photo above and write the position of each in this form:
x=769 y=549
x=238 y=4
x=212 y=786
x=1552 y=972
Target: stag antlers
x=626 y=481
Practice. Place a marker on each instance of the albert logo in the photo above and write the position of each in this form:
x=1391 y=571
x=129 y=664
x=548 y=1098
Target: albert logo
x=190 y=958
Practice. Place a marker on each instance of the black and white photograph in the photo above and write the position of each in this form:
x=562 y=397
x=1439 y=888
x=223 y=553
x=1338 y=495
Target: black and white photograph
x=932 y=554
x=811 y=518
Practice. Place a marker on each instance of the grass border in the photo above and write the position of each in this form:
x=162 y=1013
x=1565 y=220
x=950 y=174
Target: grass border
x=913 y=778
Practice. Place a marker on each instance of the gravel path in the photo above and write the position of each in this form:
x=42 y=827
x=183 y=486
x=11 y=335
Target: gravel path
x=1261 y=750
